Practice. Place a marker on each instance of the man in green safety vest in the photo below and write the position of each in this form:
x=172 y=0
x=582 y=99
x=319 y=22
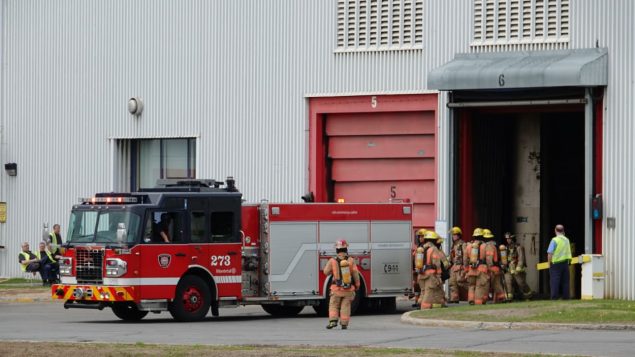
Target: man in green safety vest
x=55 y=237
x=48 y=263
x=29 y=262
x=559 y=257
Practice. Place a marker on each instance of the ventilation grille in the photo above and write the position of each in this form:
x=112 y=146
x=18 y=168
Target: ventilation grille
x=376 y=25
x=513 y=22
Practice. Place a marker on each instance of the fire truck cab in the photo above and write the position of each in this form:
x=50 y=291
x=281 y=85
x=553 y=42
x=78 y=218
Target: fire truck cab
x=190 y=246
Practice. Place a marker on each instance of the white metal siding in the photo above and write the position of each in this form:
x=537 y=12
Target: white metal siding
x=235 y=74
x=596 y=24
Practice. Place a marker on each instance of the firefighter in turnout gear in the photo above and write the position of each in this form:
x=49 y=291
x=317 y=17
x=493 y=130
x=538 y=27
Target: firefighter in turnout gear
x=344 y=283
x=429 y=277
x=419 y=242
x=471 y=262
x=458 y=280
x=516 y=268
x=490 y=254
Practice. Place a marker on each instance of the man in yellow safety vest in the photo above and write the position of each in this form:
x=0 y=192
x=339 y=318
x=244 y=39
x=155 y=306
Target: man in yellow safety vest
x=559 y=256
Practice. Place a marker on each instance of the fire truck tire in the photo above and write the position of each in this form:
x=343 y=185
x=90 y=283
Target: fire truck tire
x=192 y=300
x=282 y=311
x=128 y=311
x=388 y=305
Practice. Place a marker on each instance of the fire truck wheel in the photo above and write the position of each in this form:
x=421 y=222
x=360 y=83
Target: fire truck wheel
x=283 y=311
x=388 y=305
x=192 y=300
x=128 y=311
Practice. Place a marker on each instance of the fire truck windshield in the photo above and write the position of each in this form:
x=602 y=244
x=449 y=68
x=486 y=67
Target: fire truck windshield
x=110 y=227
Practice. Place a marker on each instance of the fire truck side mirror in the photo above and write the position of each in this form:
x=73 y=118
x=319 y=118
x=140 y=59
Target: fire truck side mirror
x=122 y=232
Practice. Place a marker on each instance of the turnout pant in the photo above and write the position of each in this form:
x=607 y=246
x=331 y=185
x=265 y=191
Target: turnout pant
x=559 y=276
x=456 y=283
x=520 y=279
x=482 y=288
x=498 y=290
x=431 y=291
x=471 y=287
x=340 y=306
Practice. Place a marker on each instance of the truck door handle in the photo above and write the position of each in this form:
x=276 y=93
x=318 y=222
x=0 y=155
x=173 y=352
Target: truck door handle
x=180 y=254
x=231 y=253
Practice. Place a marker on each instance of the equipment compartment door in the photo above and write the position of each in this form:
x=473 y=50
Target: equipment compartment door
x=390 y=256
x=293 y=260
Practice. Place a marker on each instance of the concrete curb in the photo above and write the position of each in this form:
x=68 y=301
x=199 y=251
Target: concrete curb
x=407 y=319
x=26 y=298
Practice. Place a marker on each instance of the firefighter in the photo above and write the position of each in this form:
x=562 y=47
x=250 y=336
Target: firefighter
x=418 y=243
x=471 y=262
x=490 y=254
x=445 y=263
x=429 y=277
x=344 y=283
x=516 y=265
x=457 y=272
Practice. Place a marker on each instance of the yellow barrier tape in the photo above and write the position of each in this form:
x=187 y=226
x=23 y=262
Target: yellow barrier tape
x=576 y=260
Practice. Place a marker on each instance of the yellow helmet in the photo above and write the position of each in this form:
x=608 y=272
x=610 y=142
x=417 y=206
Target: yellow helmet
x=431 y=235
x=487 y=233
x=477 y=232
x=421 y=232
x=440 y=240
x=456 y=230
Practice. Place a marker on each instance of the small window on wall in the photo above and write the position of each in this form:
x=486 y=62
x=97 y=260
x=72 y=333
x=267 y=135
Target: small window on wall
x=222 y=227
x=163 y=159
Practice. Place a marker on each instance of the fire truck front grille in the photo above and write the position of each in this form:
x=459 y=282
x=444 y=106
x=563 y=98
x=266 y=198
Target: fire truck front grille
x=89 y=266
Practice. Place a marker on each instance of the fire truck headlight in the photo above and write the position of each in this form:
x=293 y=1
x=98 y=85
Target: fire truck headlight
x=66 y=266
x=116 y=267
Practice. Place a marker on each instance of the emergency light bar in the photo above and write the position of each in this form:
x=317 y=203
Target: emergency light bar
x=93 y=200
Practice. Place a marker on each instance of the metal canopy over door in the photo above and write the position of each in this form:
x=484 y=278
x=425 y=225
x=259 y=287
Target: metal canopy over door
x=376 y=157
x=531 y=69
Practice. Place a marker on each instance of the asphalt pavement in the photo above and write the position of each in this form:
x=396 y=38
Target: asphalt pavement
x=49 y=321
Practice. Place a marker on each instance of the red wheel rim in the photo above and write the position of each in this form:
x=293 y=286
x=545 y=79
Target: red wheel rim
x=192 y=299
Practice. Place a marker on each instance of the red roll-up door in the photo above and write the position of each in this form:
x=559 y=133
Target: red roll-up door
x=378 y=156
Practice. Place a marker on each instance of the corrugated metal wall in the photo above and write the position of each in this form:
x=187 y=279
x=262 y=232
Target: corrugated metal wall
x=594 y=23
x=235 y=75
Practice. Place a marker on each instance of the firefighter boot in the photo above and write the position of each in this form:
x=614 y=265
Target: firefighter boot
x=344 y=327
x=332 y=323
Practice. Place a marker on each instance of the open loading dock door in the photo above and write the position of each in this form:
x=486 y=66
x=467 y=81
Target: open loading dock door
x=522 y=133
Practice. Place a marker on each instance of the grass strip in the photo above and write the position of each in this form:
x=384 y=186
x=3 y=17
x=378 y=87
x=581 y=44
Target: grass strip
x=36 y=349
x=571 y=311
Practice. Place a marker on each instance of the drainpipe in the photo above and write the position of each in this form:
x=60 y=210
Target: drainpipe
x=588 y=171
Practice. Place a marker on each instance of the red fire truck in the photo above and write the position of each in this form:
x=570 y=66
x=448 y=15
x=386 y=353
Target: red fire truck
x=191 y=246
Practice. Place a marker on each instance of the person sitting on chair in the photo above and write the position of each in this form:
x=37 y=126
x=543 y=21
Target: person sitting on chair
x=48 y=264
x=29 y=262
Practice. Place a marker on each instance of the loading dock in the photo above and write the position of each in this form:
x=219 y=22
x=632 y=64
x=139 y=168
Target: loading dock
x=523 y=145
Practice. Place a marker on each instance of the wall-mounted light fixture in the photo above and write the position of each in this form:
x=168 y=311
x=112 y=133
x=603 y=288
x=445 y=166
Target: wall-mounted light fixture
x=135 y=106
x=11 y=169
